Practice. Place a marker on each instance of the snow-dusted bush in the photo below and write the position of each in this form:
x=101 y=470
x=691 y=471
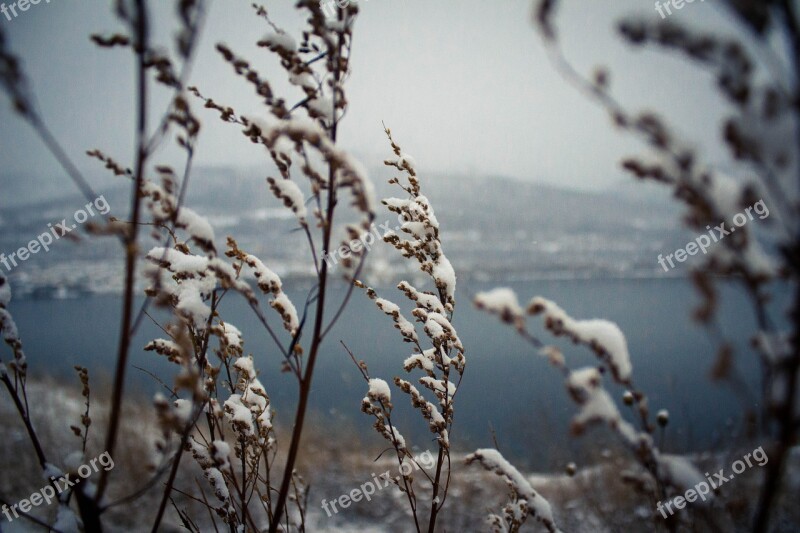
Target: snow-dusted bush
x=761 y=134
x=526 y=501
x=218 y=412
x=585 y=384
x=439 y=355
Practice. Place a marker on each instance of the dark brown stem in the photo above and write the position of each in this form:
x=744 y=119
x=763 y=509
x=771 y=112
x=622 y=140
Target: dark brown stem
x=305 y=382
x=201 y=358
x=32 y=518
x=784 y=413
x=412 y=500
x=25 y=416
x=436 y=481
x=88 y=510
x=170 y=481
x=130 y=243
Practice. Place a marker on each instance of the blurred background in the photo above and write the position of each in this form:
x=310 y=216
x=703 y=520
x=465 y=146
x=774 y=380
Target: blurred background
x=523 y=172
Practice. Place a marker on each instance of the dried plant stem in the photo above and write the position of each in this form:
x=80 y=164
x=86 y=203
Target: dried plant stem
x=412 y=502
x=308 y=375
x=305 y=381
x=785 y=416
x=784 y=413
x=30 y=517
x=170 y=230
x=215 y=301
x=130 y=242
x=435 y=506
x=25 y=416
x=66 y=163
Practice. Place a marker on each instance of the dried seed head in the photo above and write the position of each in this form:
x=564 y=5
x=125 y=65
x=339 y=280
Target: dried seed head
x=628 y=397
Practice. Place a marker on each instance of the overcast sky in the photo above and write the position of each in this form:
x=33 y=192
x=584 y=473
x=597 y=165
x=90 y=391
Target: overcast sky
x=465 y=86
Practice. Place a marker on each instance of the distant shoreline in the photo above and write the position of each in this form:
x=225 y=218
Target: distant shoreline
x=65 y=291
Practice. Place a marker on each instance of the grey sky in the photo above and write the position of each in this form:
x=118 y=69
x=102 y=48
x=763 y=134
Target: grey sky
x=465 y=86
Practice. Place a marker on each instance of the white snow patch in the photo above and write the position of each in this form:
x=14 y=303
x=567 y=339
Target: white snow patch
x=379 y=390
x=596 y=333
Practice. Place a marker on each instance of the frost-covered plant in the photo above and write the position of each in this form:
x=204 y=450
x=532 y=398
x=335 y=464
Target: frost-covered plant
x=672 y=474
x=301 y=142
x=439 y=355
x=525 y=500
x=14 y=378
x=135 y=18
x=217 y=410
x=218 y=406
x=757 y=83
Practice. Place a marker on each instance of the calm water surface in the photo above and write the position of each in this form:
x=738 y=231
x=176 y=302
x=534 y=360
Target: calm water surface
x=506 y=387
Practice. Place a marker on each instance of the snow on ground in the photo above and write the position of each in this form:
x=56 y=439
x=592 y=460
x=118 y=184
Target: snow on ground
x=596 y=499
